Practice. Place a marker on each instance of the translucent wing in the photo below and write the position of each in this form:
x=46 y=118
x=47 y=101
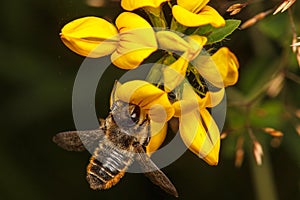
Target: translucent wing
x=155 y=175
x=79 y=140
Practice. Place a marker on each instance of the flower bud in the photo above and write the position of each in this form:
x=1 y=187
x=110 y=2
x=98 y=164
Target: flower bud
x=90 y=36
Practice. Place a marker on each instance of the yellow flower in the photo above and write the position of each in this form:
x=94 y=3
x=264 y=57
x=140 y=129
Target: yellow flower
x=227 y=64
x=175 y=73
x=84 y=35
x=153 y=101
x=197 y=128
x=131 y=5
x=130 y=42
x=190 y=45
x=221 y=69
x=196 y=13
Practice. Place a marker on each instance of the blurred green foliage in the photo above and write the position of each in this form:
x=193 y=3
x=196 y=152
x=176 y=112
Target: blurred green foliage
x=37 y=74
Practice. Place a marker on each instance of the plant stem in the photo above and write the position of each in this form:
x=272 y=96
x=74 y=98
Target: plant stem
x=263 y=178
x=156 y=16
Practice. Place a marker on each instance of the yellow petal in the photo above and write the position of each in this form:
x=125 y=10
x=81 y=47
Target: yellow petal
x=150 y=98
x=131 y=5
x=196 y=43
x=175 y=73
x=189 y=102
x=212 y=99
x=211 y=146
x=137 y=41
x=191 y=44
x=208 y=69
x=212 y=157
x=192 y=131
x=131 y=59
x=128 y=21
x=207 y=15
x=158 y=135
x=201 y=135
x=90 y=36
x=227 y=65
x=194 y=6
x=169 y=40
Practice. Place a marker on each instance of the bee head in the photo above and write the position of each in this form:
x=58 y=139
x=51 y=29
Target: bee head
x=128 y=116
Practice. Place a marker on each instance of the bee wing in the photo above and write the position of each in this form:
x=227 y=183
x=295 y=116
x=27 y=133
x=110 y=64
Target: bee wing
x=79 y=140
x=155 y=175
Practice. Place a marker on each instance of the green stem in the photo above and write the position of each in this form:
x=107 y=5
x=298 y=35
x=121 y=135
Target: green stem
x=292 y=77
x=197 y=76
x=155 y=75
x=263 y=178
x=177 y=27
x=156 y=16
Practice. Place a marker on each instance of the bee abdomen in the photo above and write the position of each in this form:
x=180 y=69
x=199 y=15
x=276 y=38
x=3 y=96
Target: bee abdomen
x=107 y=167
x=101 y=177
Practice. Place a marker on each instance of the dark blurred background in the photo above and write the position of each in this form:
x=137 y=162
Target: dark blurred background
x=36 y=79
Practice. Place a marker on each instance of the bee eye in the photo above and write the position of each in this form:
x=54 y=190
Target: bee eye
x=126 y=115
x=135 y=114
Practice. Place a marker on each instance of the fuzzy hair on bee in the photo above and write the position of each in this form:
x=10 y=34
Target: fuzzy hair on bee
x=121 y=138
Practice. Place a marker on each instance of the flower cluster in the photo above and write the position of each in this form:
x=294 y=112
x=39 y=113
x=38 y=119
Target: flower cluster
x=184 y=69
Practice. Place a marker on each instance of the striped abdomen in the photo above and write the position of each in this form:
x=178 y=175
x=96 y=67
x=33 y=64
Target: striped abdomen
x=108 y=165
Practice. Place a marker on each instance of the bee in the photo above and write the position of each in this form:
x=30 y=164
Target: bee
x=121 y=138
